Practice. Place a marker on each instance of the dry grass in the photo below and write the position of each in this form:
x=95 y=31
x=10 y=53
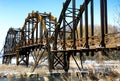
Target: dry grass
x=22 y=70
x=13 y=69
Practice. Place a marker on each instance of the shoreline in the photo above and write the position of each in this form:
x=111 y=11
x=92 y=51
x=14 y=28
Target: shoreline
x=7 y=71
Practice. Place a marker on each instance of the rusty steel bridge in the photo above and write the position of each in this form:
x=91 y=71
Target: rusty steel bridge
x=43 y=35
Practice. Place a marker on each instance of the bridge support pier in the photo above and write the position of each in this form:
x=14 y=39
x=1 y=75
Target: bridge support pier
x=17 y=58
x=51 y=61
x=60 y=60
x=7 y=59
x=23 y=56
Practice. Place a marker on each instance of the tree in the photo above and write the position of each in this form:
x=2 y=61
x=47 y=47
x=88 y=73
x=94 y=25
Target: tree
x=117 y=14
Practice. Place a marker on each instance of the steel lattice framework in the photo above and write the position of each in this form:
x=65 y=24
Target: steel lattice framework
x=42 y=33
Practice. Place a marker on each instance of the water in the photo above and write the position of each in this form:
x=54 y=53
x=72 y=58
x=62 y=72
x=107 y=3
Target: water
x=28 y=79
x=53 y=77
x=3 y=79
x=56 y=77
x=20 y=79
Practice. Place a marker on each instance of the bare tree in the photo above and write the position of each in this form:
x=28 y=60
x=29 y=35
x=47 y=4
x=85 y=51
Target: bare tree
x=117 y=13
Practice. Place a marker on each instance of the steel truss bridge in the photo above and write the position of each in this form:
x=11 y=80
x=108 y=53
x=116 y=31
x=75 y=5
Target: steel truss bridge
x=42 y=35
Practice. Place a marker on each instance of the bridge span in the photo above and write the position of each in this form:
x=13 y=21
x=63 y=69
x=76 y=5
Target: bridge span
x=42 y=35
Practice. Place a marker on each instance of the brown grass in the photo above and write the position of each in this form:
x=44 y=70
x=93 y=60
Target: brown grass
x=13 y=69
x=22 y=70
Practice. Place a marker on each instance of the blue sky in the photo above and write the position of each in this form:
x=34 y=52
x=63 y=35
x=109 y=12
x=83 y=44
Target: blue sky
x=14 y=12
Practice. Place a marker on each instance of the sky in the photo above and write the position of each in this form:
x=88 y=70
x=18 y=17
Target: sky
x=14 y=12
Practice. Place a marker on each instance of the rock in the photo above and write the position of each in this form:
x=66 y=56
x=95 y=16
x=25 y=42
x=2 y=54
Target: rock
x=109 y=78
x=31 y=74
x=2 y=75
x=46 y=79
x=9 y=77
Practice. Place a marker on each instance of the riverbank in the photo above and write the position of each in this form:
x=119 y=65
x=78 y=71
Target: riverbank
x=19 y=70
x=106 y=71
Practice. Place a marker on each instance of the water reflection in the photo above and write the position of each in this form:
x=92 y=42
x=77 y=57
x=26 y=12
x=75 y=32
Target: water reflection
x=26 y=79
x=48 y=78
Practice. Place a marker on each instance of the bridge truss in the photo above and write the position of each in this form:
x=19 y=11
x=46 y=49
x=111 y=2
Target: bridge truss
x=42 y=35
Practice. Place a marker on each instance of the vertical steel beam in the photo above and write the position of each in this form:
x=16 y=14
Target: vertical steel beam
x=50 y=57
x=66 y=61
x=22 y=36
x=81 y=26
x=55 y=44
x=32 y=30
x=74 y=24
x=37 y=31
x=40 y=31
x=105 y=16
x=92 y=23
x=92 y=19
x=36 y=26
x=17 y=58
x=3 y=60
x=64 y=42
x=26 y=32
x=64 y=33
x=86 y=24
x=102 y=23
x=49 y=33
x=10 y=40
x=29 y=32
x=27 y=58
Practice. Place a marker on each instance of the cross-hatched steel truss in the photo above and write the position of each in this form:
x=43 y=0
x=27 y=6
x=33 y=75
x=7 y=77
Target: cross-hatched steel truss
x=42 y=32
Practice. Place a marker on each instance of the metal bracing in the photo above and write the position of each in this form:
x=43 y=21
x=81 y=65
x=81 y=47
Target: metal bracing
x=73 y=33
